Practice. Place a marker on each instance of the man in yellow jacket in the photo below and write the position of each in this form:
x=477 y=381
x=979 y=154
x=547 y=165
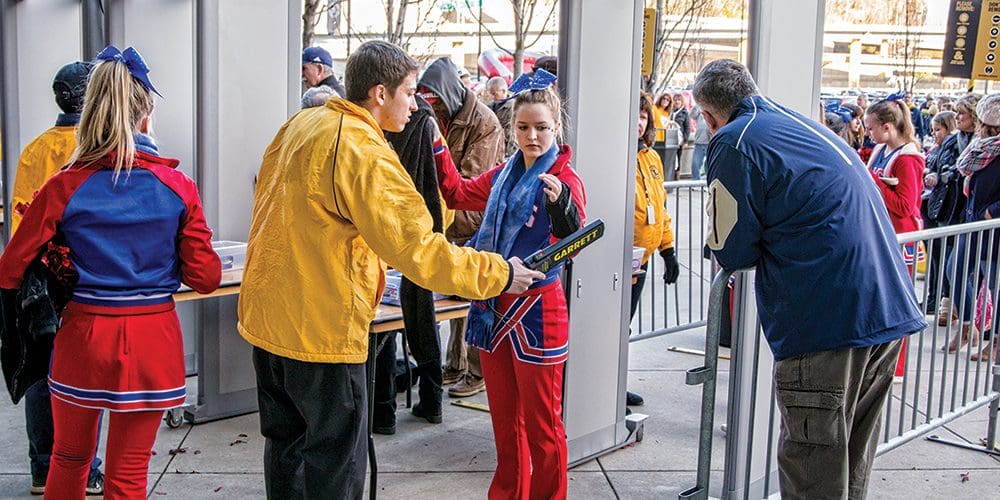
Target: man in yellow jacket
x=332 y=202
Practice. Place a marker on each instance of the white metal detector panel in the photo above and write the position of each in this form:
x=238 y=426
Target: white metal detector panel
x=785 y=71
x=33 y=57
x=599 y=75
x=163 y=32
x=240 y=107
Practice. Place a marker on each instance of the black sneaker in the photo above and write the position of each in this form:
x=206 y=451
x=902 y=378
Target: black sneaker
x=386 y=430
x=95 y=484
x=633 y=399
x=419 y=412
x=37 y=486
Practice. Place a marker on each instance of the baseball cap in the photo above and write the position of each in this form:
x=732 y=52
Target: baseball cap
x=70 y=84
x=316 y=55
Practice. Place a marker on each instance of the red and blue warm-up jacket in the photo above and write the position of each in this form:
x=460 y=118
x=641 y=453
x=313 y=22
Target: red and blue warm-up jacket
x=133 y=241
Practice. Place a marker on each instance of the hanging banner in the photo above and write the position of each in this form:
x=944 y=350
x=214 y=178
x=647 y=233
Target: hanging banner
x=972 y=40
x=985 y=64
x=960 y=38
x=648 y=40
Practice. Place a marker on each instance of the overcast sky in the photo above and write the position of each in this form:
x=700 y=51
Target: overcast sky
x=937 y=12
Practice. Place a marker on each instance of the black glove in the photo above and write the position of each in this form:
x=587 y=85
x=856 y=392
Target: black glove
x=671 y=269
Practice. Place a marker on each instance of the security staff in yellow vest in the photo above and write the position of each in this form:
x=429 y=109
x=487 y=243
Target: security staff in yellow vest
x=653 y=226
x=332 y=201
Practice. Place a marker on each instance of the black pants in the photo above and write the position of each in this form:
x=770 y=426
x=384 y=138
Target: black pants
x=425 y=345
x=314 y=417
x=421 y=328
x=937 y=258
x=384 y=412
x=424 y=341
x=640 y=282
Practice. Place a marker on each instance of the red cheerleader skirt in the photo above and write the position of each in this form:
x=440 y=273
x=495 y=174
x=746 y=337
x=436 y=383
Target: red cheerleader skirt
x=119 y=358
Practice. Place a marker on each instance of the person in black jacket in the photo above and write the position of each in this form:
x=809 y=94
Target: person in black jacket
x=417 y=146
x=966 y=122
x=943 y=201
x=980 y=164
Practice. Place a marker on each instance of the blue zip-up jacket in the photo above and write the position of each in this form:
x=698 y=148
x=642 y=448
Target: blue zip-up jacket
x=132 y=241
x=791 y=199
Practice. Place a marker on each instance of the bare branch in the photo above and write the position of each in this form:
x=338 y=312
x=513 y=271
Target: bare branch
x=422 y=19
x=684 y=22
x=545 y=25
x=530 y=15
x=684 y=47
x=487 y=28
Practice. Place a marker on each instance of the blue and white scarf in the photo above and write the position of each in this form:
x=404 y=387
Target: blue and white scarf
x=510 y=205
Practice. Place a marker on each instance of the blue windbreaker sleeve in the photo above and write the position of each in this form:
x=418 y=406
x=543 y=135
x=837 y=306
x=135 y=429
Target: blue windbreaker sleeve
x=735 y=207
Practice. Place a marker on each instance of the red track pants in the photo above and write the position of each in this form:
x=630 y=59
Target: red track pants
x=901 y=360
x=130 y=437
x=526 y=409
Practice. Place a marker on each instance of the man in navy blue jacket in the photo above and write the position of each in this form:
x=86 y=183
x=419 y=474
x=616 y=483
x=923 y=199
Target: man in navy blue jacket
x=795 y=202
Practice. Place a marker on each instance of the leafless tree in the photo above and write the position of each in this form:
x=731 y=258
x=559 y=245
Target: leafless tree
x=525 y=12
x=313 y=11
x=677 y=23
x=403 y=19
x=909 y=14
x=396 y=12
x=677 y=38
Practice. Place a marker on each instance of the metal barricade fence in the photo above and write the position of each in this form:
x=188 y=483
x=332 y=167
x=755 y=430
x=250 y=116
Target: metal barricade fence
x=939 y=384
x=682 y=306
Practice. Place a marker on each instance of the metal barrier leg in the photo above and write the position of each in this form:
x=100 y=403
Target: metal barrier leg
x=989 y=445
x=706 y=376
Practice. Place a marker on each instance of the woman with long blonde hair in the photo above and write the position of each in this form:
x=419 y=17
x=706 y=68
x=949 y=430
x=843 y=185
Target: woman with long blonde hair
x=135 y=231
x=531 y=200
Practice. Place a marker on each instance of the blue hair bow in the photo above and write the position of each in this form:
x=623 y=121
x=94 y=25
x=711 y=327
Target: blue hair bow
x=844 y=113
x=895 y=96
x=537 y=80
x=133 y=61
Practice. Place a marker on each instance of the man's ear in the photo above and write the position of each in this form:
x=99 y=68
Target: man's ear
x=378 y=94
x=711 y=120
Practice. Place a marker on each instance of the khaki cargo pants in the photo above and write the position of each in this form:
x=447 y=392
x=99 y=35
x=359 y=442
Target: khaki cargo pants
x=831 y=411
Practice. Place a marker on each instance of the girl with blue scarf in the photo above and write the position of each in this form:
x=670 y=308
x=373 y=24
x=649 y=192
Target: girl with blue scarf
x=529 y=202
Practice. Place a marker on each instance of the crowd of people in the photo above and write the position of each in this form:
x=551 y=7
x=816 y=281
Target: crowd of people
x=452 y=188
x=933 y=163
x=680 y=126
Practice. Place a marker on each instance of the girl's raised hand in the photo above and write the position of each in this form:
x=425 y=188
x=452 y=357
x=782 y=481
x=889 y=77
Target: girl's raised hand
x=553 y=186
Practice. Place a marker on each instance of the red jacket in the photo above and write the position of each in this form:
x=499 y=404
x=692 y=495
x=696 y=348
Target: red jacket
x=902 y=200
